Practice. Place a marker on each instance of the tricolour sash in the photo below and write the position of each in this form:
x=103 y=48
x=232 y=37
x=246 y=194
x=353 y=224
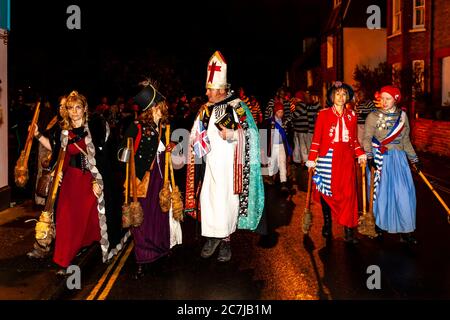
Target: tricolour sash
x=381 y=148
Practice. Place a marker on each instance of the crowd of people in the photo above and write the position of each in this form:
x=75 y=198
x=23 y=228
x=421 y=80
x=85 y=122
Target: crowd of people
x=235 y=150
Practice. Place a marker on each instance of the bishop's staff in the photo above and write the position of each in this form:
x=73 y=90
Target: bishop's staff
x=21 y=169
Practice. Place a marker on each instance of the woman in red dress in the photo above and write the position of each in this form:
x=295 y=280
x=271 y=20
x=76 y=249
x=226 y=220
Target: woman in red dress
x=333 y=151
x=84 y=211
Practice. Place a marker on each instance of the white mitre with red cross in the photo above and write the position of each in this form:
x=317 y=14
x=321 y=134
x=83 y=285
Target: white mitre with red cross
x=216 y=77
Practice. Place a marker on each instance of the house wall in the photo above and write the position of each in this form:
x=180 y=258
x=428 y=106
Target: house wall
x=362 y=46
x=431 y=136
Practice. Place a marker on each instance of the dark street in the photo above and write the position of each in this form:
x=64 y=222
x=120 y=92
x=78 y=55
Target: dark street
x=283 y=266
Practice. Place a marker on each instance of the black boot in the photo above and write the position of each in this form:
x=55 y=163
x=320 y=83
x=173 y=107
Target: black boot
x=379 y=232
x=349 y=235
x=139 y=273
x=408 y=238
x=326 y=210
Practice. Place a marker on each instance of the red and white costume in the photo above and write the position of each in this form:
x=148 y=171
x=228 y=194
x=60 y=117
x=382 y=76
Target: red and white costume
x=335 y=146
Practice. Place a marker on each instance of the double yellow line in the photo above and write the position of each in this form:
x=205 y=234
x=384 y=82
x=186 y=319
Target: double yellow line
x=95 y=295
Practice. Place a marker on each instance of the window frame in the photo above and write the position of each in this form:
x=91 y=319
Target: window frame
x=415 y=9
x=396 y=29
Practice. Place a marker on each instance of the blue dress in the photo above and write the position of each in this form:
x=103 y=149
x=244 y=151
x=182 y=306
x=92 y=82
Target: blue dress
x=394 y=205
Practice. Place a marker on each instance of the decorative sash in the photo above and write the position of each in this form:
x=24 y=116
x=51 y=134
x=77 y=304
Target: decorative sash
x=381 y=148
x=283 y=137
x=238 y=161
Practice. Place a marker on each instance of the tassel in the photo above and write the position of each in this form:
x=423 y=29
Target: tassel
x=126 y=219
x=177 y=200
x=45 y=229
x=136 y=214
x=164 y=197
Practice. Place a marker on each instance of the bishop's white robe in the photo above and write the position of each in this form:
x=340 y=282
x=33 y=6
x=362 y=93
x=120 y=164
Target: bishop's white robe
x=219 y=204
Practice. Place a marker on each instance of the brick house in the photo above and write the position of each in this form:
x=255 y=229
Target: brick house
x=418 y=49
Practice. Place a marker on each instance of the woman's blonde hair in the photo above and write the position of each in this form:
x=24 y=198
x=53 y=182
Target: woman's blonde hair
x=72 y=99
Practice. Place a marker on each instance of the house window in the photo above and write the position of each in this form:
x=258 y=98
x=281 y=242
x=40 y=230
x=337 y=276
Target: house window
x=337 y=3
x=419 y=14
x=396 y=74
x=396 y=16
x=330 y=53
x=418 y=68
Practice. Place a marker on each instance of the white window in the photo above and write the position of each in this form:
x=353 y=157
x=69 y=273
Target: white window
x=337 y=3
x=396 y=17
x=330 y=52
x=418 y=68
x=419 y=14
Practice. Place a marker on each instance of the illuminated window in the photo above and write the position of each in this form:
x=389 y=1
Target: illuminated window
x=330 y=52
x=419 y=14
x=396 y=16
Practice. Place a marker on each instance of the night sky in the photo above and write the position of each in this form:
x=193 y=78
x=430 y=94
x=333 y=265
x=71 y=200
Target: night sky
x=120 y=41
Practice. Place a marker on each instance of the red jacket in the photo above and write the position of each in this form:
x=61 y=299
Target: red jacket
x=325 y=131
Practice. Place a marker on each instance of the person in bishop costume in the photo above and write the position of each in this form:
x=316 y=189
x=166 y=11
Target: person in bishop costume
x=388 y=148
x=224 y=169
x=333 y=151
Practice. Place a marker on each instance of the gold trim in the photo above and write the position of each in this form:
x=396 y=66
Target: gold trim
x=212 y=86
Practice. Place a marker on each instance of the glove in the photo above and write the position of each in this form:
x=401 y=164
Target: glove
x=310 y=164
x=362 y=159
x=417 y=166
x=371 y=163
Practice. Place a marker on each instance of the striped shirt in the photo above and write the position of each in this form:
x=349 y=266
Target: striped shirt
x=254 y=108
x=363 y=109
x=300 y=118
x=312 y=111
